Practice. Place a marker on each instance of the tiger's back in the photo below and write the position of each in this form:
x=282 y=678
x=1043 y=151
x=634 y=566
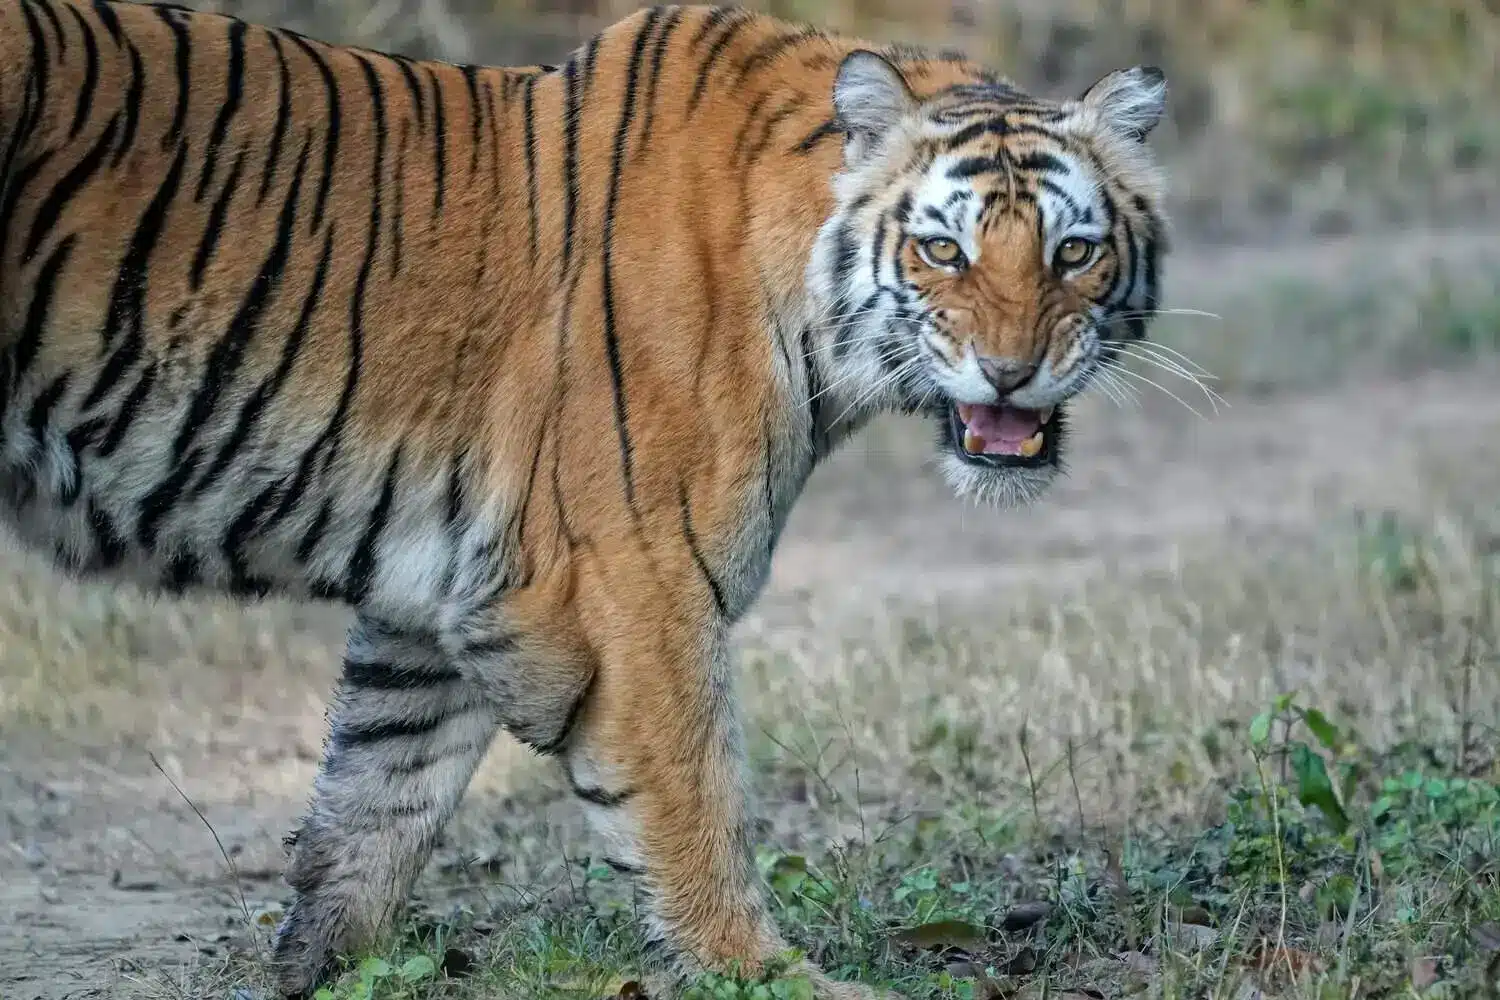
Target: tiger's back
x=217 y=310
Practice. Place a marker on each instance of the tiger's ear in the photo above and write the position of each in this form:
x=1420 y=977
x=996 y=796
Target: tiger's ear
x=1133 y=100
x=870 y=97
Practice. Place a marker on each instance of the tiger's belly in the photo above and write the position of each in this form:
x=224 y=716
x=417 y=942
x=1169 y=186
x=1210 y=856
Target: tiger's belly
x=117 y=495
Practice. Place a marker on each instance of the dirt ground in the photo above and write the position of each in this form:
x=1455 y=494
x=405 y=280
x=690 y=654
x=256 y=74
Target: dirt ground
x=111 y=885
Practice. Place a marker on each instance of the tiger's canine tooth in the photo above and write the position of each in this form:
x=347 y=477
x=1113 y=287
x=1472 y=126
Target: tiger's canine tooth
x=1032 y=446
x=973 y=443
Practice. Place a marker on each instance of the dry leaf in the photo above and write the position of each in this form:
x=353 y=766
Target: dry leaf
x=1137 y=962
x=1197 y=916
x=1024 y=962
x=1025 y=915
x=456 y=962
x=941 y=935
x=1424 y=972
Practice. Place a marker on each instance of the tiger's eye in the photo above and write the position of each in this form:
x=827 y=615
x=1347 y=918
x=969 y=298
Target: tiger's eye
x=941 y=250
x=1075 y=252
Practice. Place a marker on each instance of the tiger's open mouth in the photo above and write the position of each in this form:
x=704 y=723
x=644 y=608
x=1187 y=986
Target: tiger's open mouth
x=1003 y=436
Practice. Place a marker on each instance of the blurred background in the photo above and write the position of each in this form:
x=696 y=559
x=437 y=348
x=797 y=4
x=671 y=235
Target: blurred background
x=954 y=711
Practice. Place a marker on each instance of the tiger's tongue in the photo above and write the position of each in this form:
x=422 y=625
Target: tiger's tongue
x=1003 y=428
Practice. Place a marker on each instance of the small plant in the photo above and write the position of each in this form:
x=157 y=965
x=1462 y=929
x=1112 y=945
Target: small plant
x=1314 y=786
x=375 y=977
x=774 y=983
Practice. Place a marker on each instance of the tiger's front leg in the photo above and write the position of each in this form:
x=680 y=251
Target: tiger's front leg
x=658 y=761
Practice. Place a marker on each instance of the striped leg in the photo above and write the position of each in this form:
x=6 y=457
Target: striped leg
x=407 y=732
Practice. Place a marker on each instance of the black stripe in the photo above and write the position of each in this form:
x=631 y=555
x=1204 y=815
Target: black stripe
x=380 y=732
x=13 y=191
x=80 y=438
x=691 y=537
x=570 y=160
x=214 y=228
x=41 y=61
x=234 y=92
x=590 y=57
x=72 y=182
x=809 y=142
x=45 y=402
x=398 y=210
x=362 y=563
x=973 y=166
x=705 y=69
x=283 y=119
x=327 y=443
x=333 y=125
x=527 y=115
x=183 y=62
x=382 y=676
x=520 y=518
x=814 y=386
x=125 y=313
x=657 y=52
x=768 y=130
x=772 y=49
x=128 y=411
x=440 y=145
x=611 y=330
x=623 y=868
x=489 y=103
x=90 y=75
x=227 y=354
x=240 y=531
x=414 y=89
x=30 y=341
x=454 y=507
x=56 y=22
x=471 y=81
x=109 y=546
x=134 y=99
x=157 y=504
x=106 y=14
x=183 y=571
x=22 y=125
x=600 y=796
x=1041 y=162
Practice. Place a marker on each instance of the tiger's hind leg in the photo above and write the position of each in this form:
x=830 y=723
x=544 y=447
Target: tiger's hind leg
x=407 y=731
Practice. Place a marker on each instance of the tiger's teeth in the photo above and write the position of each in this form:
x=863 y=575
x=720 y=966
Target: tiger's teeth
x=1046 y=413
x=965 y=411
x=1032 y=445
x=973 y=443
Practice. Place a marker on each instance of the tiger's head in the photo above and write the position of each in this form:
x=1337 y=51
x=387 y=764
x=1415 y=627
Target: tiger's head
x=987 y=256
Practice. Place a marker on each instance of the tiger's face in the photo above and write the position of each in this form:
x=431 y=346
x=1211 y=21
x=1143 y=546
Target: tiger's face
x=988 y=255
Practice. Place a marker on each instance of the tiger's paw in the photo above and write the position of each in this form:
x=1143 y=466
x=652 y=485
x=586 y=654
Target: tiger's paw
x=304 y=953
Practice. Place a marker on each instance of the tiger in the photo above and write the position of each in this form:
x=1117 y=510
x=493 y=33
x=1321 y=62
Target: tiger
x=527 y=367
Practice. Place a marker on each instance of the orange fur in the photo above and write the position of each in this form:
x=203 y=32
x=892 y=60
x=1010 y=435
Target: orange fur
x=513 y=360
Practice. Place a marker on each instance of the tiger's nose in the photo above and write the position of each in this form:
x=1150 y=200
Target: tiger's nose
x=1006 y=374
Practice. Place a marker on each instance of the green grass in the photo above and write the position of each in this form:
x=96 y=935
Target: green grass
x=1384 y=880
x=1317 y=846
